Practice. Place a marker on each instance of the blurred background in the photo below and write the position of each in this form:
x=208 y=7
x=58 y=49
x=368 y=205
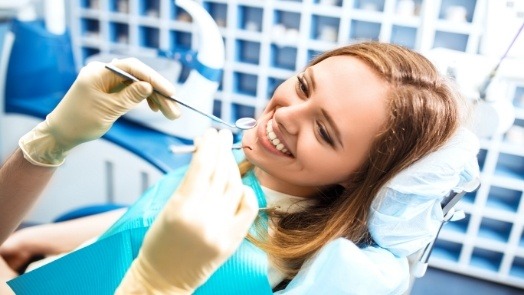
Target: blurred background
x=228 y=57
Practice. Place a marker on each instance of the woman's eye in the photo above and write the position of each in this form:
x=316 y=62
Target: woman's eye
x=325 y=135
x=302 y=86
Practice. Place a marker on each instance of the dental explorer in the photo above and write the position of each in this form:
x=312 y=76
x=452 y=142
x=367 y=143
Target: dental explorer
x=242 y=123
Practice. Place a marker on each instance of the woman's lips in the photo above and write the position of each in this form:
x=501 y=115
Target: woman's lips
x=272 y=141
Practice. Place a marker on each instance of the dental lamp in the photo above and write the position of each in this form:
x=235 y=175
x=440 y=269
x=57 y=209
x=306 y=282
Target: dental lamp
x=493 y=114
x=200 y=86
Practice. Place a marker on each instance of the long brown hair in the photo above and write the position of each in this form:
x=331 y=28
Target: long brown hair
x=424 y=111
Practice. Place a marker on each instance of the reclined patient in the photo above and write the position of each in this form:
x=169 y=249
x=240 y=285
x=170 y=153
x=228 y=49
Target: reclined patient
x=350 y=161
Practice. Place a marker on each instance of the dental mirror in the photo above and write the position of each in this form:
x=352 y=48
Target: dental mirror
x=242 y=123
x=245 y=123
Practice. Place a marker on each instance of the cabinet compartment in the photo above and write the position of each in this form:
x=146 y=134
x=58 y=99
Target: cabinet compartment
x=510 y=166
x=250 y=18
x=245 y=83
x=88 y=51
x=404 y=36
x=119 y=6
x=218 y=12
x=455 y=41
x=119 y=33
x=89 y=4
x=517 y=268
x=248 y=52
x=180 y=40
x=329 y=2
x=148 y=37
x=324 y=28
x=369 y=5
x=446 y=250
x=407 y=8
x=486 y=260
x=283 y=57
x=288 y=19
x=457 y=10
x=494 y=230
x=90 y=28
x=150 y=8
x=504 y=199
x=363 y=30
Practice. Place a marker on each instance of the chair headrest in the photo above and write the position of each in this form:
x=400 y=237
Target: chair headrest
x=406 y=213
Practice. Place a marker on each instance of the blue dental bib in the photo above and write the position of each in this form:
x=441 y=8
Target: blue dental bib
x=99 y=267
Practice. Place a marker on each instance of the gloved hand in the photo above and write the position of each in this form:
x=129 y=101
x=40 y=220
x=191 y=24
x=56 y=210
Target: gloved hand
x=199 y=228
x=97 y=98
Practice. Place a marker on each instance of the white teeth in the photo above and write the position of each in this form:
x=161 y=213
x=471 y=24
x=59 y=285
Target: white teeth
x=273 y=138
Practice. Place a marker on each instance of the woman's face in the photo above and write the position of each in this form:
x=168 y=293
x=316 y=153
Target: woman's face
x=318 y=127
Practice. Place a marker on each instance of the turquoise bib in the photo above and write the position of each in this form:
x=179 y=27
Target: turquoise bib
x=99 y=267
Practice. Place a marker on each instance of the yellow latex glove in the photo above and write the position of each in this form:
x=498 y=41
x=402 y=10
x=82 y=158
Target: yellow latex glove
x=201 y=225
x=97 y=98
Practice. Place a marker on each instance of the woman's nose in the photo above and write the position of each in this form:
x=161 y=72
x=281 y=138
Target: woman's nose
x=289 y=118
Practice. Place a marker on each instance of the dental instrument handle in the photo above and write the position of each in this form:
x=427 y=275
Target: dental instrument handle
x=134 y=79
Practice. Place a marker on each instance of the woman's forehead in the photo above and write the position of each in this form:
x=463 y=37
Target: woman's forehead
x=353 y=95
x=347 y=76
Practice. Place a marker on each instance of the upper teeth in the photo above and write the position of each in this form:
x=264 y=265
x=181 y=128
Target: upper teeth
x=273 y=138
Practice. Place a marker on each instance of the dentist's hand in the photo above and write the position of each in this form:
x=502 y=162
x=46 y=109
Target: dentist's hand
x=94 y=102
x=202 y=224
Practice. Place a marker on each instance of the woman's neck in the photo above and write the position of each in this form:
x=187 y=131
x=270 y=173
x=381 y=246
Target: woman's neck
x=281 y=186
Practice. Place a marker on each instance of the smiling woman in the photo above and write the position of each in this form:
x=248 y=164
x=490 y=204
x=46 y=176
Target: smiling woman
x=322 y=159
x=326 y=119
x=352 y=120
